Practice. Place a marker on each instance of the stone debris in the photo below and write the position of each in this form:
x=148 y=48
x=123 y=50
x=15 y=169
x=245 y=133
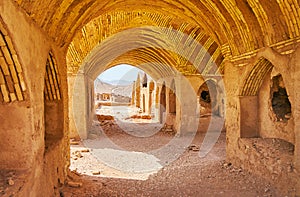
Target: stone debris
x=76 y=173
x=74 y=184
x=267 y=190
x=10 y=182
x=168 y=129
x=103 y=123
x=73 y=175
x=193 y=147
x=144 y=117
x=226 y=165
x=85 y=150
x=96 y=172
x=104 y=117
x=74 y=143
x=78 y=154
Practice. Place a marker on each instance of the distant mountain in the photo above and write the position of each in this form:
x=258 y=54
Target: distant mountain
x=102 y=87
x=121 y=87
x=119 y=82
x=123 y=90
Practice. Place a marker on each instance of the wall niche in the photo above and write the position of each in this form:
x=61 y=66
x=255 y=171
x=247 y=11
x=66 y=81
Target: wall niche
x=281 y=105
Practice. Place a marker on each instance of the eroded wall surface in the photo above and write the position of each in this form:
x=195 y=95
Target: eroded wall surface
x=256 y=139
x=24 y=146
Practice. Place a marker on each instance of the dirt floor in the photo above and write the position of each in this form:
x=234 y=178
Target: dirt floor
x=187 y=175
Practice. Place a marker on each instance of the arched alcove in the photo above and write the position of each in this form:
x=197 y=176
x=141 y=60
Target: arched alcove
x=207 y=98
x=53 y=106
x=249 y=100
x=264 y=104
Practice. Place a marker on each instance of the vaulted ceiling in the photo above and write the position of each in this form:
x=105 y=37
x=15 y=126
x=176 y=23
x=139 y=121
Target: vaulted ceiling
x=239 y=26
x=145 y=39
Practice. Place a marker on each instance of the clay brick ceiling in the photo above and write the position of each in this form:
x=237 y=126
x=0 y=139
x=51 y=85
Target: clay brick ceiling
x=241 y=26
x=156 y=45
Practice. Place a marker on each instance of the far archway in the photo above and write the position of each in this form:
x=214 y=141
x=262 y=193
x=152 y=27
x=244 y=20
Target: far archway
x=207 y=98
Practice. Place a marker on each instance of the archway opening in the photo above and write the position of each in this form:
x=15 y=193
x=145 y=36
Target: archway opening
x=207 y=98
x=126 y=124
x=121 y=86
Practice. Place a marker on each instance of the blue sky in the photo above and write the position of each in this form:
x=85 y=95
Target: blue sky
x=120 y=72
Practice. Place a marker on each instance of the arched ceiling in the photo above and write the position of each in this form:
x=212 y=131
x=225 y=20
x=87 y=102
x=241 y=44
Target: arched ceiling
x=239 y=26
x=163 y=39
x=239 y=22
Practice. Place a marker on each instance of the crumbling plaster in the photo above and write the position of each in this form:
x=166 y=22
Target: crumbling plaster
x=22 y=129
x=288 y=66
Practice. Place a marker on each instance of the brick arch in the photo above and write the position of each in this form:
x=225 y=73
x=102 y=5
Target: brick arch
x=210 y=85
x=249 y=97
x=52 y=79
x=12 y=82
x=255 y=77
x=53 y=104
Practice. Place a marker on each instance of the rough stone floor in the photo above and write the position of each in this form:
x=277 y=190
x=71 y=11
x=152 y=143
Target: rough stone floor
x=188 y=175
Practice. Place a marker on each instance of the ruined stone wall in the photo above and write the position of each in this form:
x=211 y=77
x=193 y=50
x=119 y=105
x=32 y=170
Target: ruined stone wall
x=268 y=125
x=295 y=83
x=22 y=128
x=277 y=158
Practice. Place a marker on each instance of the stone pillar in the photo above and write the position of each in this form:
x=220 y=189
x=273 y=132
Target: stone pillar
x=186 y=108
x=133 y=94
x=231 y=79
x=138 y=92
x=151 y=88
x=79 y=105
x=157 y=96
x=90 y=102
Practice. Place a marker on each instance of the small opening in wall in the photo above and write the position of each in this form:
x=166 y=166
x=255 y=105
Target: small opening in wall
x=145 y=81
x=281 y=105
x=205 y=96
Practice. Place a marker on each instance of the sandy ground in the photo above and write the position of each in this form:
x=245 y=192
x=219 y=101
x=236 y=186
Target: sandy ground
x=184 y=174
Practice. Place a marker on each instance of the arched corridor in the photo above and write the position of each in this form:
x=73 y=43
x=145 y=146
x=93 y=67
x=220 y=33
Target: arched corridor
x=224 y=80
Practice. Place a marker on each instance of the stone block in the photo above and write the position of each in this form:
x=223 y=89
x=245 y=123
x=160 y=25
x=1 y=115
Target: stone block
x=4 y=66
x=10 y=45
x=22 y=82
x=7 y=55
x=12 y=97
x=2 y=41
x=2 y=81
x=17 y=63
x=5 y=93
x=19 y=93
x=13 y=73
x=9 y=83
